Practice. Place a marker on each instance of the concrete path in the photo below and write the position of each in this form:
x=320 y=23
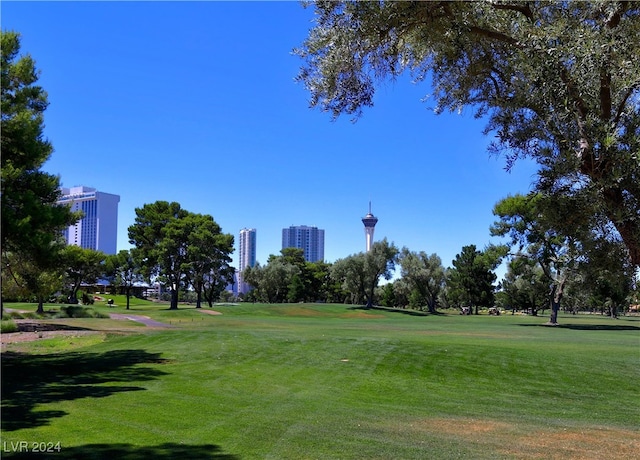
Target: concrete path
x=140 y=319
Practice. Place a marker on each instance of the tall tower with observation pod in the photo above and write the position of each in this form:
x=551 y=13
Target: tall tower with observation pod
x=369 y=222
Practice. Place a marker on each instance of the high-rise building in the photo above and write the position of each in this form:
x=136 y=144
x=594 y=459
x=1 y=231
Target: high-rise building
x=246 y=256
x=309 y=239
x=369 y=222
x=98 y=229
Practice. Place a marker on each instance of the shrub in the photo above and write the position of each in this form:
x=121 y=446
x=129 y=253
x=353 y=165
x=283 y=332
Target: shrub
x=20 y=315
x=8 y=326
x=77 y=311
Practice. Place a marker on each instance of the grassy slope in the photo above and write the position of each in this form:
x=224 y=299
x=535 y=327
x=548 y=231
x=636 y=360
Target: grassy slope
x=328 y=381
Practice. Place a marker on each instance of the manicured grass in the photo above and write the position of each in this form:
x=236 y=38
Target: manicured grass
x=332 y=381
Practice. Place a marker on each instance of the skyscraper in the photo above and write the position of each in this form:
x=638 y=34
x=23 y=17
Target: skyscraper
x=98 y=229
x=309 y=239
x=369 y=222
x=246 y=256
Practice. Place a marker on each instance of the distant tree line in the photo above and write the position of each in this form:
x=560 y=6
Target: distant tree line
x=545 y=269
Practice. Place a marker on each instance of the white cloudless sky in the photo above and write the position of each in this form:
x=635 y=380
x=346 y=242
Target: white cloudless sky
x=195 y=102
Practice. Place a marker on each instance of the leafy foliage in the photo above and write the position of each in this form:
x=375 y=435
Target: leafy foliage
x=525 y=286
x=426 y=275
x=81 y=266
x=471 y=280
x=180 y=248
x=557 y=82
x=526 y=220
x=31 y=220
x=288 y=277
x=124 y=269
x=359 y=273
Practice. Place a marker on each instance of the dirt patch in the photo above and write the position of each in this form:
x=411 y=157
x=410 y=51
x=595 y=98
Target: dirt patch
x=17 y=337
x=587 y=444
x=520 y=442
x=468 y=426
x=210 y=312
x=29 y=330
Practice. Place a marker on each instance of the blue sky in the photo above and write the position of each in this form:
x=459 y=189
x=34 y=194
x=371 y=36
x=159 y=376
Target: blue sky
x=196 y=103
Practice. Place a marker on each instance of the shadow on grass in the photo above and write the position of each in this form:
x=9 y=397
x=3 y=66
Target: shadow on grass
x=401 y=311
x=30 y=380
x=42 y=327
x=167 y=451
x=589 y=327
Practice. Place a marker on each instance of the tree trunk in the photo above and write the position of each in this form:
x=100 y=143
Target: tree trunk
x=199 y=298
x=40 y=309
x=555 y=307
x=557 y=290
x=174 y=299
x=556 y=296
x=128 y=293
x=74 y=294
x=369 y=295
x=627 y=228
x=208 y=296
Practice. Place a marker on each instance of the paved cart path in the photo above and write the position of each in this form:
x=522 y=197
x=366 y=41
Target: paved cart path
x=140 y=319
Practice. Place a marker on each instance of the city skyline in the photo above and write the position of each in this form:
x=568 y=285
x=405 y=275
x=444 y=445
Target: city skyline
x=200 y=117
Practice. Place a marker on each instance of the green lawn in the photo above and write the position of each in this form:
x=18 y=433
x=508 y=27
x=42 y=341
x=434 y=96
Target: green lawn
x=327 y=381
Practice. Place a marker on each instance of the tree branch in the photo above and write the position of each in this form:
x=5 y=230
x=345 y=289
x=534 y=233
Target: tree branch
x=623 y=102
x=523 y=9
x=605 y=93
x=498 y=36
x=581 y=107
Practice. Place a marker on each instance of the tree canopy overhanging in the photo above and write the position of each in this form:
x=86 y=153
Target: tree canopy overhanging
x=31 y=219
x=558 y=82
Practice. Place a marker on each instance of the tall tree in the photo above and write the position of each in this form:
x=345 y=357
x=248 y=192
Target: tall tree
x=607 y=276
x=208 y=257
x=253 y=276
x=525 y=220
x=472 y=278
x=276 y=280
x=318 y=281
x=360 y=273
x=31 y=220
x=380 y=261
x=525 y=286
x=299 y=282
x=558 y=82
x=426 y=275
x=349 y=273
x=160 y=257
